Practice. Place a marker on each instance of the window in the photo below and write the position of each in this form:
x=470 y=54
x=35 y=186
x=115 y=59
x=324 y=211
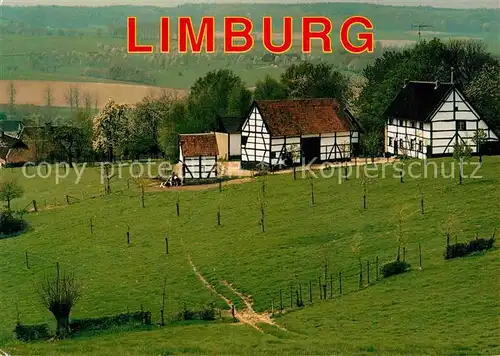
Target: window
x=461 y=126
x=244 y=140
x=390 y=141
x=412 y=143
x=413 y=124
x=420 y=146
x=421 y=126
x=400 y=143
x=401 y=123
x=456 y=108
x=276 y=154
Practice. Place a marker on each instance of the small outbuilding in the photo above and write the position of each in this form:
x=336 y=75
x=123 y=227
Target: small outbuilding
x=198 y=154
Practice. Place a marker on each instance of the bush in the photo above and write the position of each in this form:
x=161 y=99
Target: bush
x=32 y=332
x=10 y=223
x=462 y=249
x=207 y=313
x=107 y=322
x=393 y=268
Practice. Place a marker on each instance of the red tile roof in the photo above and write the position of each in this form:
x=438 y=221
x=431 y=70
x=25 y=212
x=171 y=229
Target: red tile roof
x=302 y=117
x=199 y=145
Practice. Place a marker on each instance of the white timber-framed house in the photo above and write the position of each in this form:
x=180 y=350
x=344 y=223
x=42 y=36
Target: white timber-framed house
x=198 y=155
x=426 y=119
x=281 y=133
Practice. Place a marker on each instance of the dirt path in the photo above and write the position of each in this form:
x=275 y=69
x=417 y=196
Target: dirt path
x=247 y=315
x=157 y=188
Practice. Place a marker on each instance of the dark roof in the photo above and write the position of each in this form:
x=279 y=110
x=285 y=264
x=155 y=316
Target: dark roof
x=199 y=145
x=292 y=117
x=10 y=126
x=7 y=143
x=418 y=101
x=230 y=124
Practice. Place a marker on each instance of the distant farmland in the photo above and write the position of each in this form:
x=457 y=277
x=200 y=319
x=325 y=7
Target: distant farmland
x=34 y=92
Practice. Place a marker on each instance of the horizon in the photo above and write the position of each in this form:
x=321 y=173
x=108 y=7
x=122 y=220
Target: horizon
x=455 y=4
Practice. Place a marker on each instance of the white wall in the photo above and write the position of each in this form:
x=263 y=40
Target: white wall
x=257 y=148
x=235 y=144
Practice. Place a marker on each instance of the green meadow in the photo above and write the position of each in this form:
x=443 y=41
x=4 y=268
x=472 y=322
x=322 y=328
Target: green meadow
x=445 y=307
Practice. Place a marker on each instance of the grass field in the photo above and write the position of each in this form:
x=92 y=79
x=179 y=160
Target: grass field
x=449 y=307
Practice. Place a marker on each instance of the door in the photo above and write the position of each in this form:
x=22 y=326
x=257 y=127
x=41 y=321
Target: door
x=311 y=149
x=396 y=143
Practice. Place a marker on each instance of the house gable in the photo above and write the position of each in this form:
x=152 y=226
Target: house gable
x=255 y=138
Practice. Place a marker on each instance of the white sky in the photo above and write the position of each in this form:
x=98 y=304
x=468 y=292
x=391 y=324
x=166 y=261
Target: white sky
x=435 y=3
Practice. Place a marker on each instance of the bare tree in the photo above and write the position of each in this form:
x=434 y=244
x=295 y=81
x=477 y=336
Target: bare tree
x=69 y=97
x=12 y=96
x=48 y=96
x=479 y=139
x=59 y=294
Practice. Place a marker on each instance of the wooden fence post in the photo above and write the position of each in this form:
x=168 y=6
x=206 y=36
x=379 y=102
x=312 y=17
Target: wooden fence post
x=331 y=286
x=35 y=208
x=128 y=235
x=368 y=271
x=340 y=282
x=166 y=244
x=27 y=262
x=404 y=254
x=67 y=199
x=218 y=218
x=310 y=292
x=178 y=209
x=91 y=226
x=142 y=195
x=420 y=254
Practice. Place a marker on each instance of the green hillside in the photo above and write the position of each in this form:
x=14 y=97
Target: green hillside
x=448 y=307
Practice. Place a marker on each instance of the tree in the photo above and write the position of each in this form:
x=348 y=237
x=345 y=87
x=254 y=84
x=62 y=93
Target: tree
x=371 y=142
x=484 y=92
x=59 y=294
x=12 y=96
x=308 y=80
x=175 y=122
x=66 y=138
x=110 y=127
x=9 y=191
x=146 y=119
x=218 y=93
x=461 y=152
x=479 y=139
x=269 y=89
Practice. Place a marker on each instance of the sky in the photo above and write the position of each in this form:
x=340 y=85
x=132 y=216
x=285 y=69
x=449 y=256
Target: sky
x=436 y=3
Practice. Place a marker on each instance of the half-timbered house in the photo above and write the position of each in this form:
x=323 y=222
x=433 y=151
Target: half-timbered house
x=279 y=133
x=9 y=149
x=426 y=119
x=198 y=155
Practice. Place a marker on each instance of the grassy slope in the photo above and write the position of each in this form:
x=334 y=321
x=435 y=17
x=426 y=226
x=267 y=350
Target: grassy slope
x=448 y=307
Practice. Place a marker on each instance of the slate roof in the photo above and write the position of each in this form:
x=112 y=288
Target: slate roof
x=230 y=124
x=418 y=101
x=295 y=117
x=199 y=145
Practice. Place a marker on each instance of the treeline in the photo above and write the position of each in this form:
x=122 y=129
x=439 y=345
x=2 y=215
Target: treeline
x=385 y=18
